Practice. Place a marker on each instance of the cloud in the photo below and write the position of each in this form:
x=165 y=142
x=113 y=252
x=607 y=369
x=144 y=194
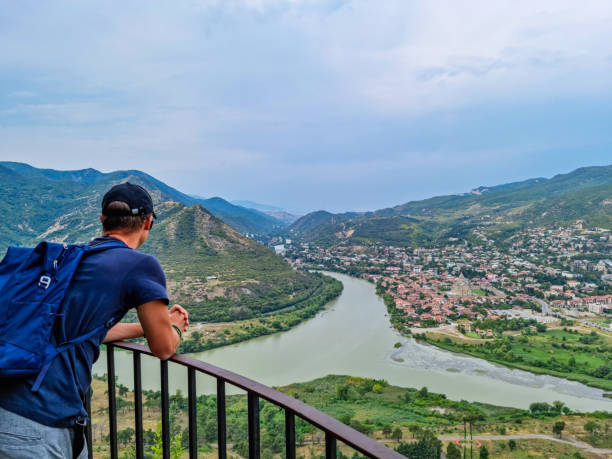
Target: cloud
x=273 y=98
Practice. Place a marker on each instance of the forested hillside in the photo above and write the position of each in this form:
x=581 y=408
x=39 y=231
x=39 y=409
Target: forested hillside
x=65 y=185
x=215 y=271
x=584 y=194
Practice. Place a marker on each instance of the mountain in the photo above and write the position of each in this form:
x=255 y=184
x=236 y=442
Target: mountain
x=212 y=269
x=258 y=206
x=276 y=212
x=509 y=196
x=584 y=194
x=243 y=219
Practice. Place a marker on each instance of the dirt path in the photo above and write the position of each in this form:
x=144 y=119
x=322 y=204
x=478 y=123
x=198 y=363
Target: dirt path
x=567 y=439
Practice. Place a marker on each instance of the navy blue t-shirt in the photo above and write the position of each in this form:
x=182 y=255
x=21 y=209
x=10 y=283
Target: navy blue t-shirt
x=105 y=285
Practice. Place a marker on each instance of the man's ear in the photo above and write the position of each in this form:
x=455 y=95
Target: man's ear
x=149 y=223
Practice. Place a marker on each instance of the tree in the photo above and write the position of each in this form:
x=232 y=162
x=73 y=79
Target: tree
x=397 y=434
x=484 y=452
x=125 y=436
x=558 y=406
x=537 y=408
x=387 y=430
x=428 y=447
x=176 y=451
x=591 y=427
x=558 y=428
x=512 y=444
x=414 y=429
x=453 y=451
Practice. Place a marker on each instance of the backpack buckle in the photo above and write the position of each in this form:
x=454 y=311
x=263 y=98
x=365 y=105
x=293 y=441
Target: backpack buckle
x=44 y=282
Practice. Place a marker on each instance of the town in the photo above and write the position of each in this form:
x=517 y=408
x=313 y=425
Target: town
x=541 y=273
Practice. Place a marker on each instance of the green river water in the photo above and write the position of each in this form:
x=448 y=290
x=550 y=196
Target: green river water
x=353 y=336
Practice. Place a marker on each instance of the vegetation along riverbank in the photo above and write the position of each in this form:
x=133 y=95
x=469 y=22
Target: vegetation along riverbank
x=207 y=336
x=567 y=352
x=415 y=421
x=565 y=349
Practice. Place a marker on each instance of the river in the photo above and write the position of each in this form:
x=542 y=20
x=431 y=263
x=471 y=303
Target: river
x=353 y=336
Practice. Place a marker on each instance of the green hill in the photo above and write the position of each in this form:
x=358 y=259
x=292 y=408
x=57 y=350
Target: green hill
x=584 y=194
x=243 y=219
x=249 y=279
x=190 y=242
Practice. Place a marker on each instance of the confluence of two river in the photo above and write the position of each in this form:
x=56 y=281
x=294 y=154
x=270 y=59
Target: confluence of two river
x=353 y=336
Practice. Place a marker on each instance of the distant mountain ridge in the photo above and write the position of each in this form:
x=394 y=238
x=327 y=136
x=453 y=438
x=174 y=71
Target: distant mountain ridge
x=276 y=212
x=584 y=194
x=243 y=219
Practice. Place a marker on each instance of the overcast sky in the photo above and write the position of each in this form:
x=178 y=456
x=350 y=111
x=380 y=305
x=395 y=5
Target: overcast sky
x=337 y=105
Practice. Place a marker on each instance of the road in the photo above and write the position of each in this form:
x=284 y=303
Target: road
x=545 y=307
x=548 y=312
x=567 y=439
x=596 y=325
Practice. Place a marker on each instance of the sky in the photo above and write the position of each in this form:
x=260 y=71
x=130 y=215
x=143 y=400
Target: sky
x=309 y=104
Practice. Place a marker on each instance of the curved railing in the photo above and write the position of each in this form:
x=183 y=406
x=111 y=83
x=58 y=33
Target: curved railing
x=334 y=429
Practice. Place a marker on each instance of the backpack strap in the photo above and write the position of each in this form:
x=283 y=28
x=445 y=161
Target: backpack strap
x=67 y=345
x=52 y=255
x=98 y=247
x=51 y=265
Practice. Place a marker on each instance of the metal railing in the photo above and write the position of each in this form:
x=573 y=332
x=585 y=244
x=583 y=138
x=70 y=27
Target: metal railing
x=334 y=429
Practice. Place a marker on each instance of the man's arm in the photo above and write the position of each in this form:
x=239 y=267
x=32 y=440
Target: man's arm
x=152 y=313
x=157 y=322
x=123 y=331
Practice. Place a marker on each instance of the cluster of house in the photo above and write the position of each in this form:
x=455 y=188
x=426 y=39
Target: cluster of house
x=424 y=299
x=595 y=304
x=428 y=284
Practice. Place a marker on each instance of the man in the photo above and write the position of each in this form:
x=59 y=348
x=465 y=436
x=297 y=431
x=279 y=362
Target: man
x=48 y=423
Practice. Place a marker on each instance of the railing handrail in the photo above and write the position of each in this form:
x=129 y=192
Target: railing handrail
x=346 y=434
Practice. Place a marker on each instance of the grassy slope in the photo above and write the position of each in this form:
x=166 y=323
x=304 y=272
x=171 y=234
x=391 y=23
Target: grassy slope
x=365 y=404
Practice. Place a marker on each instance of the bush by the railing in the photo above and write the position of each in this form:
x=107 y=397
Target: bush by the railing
x=427 y=447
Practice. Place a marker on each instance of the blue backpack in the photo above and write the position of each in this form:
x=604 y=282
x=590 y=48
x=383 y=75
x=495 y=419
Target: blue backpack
x=33 y=283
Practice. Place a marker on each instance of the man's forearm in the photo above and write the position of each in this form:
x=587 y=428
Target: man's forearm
x=124 y=331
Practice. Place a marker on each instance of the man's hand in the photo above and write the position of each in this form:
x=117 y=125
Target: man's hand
x=157 y=322
x=179 y=316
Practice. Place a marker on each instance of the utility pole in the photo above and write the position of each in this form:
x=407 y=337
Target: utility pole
x=464 y=436
x=471 y=441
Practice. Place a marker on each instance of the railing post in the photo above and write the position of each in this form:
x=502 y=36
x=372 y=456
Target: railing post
x=221 y=433
x=88 y=432
x=165 y=409
x=289 y=434
x=138 y=406
x=330 y=446
x=334 y=430
x=254 y=449
x=193 y=425
x=112 y=410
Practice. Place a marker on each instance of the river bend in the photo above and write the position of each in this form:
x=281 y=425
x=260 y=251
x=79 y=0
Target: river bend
x=353 y=336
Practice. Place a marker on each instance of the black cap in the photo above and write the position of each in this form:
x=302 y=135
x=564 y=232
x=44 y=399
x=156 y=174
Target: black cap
x=136 y=197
